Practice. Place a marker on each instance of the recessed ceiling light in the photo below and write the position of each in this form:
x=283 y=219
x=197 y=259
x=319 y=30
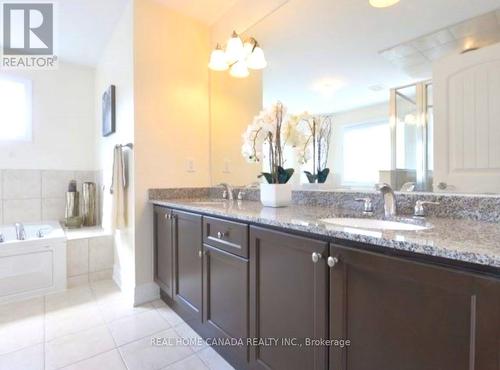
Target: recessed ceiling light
x=327 y=86
x=383 y=3
x=376 y=88
x=470 y=45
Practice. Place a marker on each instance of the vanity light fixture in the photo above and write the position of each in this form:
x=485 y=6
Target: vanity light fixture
x=218 y=60
x=383 y=3
x=238 y=57
x=239 y=69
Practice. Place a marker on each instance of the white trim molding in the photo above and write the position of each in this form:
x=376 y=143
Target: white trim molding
x=146 y=293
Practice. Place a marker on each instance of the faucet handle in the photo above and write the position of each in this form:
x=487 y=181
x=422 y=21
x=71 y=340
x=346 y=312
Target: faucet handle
x=367 y=206
x=419 y=207
x=242 y=192
x=382 y=185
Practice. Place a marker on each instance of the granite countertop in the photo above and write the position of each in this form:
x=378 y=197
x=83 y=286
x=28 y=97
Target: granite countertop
x=462 y=240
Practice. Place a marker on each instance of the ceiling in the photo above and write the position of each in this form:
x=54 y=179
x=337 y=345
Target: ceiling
x=83 y=27
x=206 y=11
x=324 y=55
x=416 y=56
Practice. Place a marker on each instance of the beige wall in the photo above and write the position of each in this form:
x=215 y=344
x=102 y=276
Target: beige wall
x=171 y=113
x=181 y=117
x=116 y=68
x=234 y=103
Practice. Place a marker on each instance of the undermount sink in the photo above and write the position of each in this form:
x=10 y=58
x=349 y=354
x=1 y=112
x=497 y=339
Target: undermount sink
x=367 y=223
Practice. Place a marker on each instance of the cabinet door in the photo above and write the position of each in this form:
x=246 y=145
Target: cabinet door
x=226 y=301
x=163 y=249
x=288 y=300
x=404 y=315
x=188 y=263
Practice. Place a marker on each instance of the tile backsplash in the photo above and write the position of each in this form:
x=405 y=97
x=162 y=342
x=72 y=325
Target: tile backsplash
x=37 y=195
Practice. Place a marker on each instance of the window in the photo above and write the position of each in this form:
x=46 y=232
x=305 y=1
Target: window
x=15 y=109
x=366 y=151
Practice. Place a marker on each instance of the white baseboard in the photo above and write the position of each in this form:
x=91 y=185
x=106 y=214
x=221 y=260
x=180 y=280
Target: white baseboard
x=117 y=276
x=141 y=293
x=146 y=293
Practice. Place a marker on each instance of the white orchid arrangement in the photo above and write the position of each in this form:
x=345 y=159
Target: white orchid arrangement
x=316 y=132
x=272 y=130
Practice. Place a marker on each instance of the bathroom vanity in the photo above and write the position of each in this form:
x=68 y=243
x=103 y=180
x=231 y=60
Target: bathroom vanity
x=370 y=300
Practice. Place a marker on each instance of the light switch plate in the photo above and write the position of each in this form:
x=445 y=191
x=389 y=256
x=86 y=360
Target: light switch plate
x=190 y=165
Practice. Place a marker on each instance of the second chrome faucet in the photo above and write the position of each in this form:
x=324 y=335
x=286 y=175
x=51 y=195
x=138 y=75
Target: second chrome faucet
x=390 y=205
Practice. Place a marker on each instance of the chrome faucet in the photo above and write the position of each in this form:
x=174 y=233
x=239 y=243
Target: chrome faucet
x=228 y=191
x=419 y=207
x=242 y=192
x=390 y=206
x=20 y=232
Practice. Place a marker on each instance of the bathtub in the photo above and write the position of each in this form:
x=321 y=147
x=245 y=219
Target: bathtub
x=35 y=266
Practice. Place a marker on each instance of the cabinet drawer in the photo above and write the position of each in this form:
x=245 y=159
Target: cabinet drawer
x=229 y=236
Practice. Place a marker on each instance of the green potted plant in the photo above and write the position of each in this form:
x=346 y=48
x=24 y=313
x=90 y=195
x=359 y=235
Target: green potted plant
x=265 y=139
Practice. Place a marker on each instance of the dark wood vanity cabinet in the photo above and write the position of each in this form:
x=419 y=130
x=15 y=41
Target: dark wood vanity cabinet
x=288 y=300
x=232 y=281
x=225 y=287
x=187 y=264
x=163 y=249
x=404 y=315
x=225 y=302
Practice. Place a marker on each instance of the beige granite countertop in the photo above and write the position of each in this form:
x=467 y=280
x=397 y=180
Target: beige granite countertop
x=462 y=240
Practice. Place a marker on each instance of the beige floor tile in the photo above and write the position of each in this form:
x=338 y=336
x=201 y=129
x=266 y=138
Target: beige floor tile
x=118 y=308
x=21 y=324
x=30 y=358
x=106 y=361
x=72 y=320
x=72 y=348
x=20 y=310
x=20 y=333
x=138 y=326
x=167 y=313
x=191 y=363
x=213 y=360
x=143 y=355
x=186 y=332
x=105 y=289
x=73 y=297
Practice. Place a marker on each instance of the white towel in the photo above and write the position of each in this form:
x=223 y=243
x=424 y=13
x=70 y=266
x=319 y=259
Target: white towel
x=118 y=190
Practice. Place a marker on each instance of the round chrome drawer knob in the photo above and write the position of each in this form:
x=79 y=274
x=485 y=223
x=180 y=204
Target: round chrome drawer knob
x=332 y=261
x=316 y=257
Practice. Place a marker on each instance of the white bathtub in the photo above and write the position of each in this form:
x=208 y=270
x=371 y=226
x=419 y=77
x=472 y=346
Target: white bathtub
x=35 y=266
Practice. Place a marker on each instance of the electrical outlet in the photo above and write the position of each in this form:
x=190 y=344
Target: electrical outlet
x=227 y=166
x=190 y=167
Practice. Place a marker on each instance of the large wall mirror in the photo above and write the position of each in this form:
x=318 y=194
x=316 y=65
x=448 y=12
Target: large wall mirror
x=410 y=94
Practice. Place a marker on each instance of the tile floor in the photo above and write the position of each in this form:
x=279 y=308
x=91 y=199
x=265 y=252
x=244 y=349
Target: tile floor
x=94 y=327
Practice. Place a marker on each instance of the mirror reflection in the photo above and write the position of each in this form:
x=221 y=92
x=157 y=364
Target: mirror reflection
x=397 y=98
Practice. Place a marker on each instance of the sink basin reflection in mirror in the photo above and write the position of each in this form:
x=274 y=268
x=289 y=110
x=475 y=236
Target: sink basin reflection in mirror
x=365 y=223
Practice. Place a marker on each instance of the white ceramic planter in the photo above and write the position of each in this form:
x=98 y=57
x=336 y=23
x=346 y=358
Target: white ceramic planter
x=276 y=195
